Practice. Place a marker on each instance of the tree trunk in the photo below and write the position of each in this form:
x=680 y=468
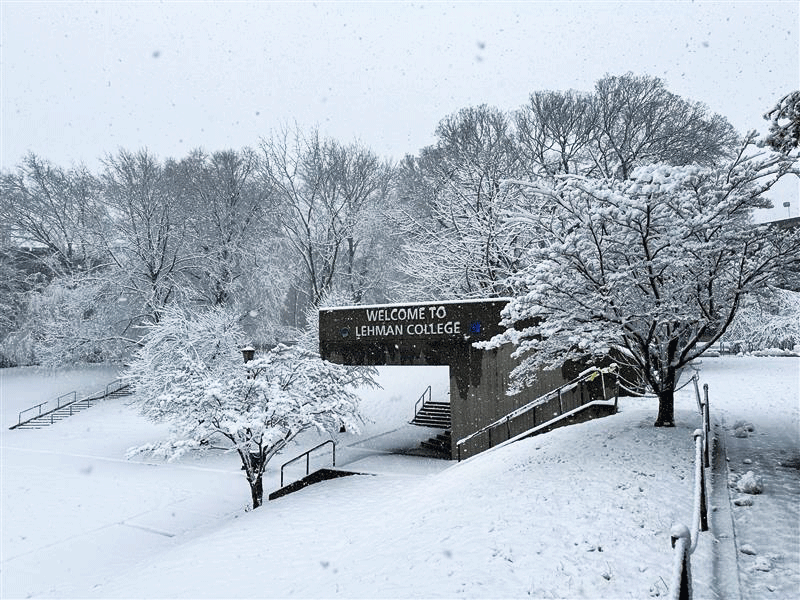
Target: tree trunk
x=257 y=492
x=666 y=407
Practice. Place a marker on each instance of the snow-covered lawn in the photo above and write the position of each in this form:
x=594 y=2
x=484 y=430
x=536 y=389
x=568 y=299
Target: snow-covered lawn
x=582 y=512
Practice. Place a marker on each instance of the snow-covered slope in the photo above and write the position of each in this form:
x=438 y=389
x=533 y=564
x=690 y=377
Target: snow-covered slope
x=582 y=512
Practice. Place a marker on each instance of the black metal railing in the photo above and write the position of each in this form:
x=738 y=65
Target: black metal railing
x=307 y=454
x=684 y=541
x=70 y=399
x=576 y=384
x=422 y=400
x=39 y=406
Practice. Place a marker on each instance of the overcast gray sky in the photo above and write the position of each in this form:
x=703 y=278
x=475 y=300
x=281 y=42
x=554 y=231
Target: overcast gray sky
x=82 y=79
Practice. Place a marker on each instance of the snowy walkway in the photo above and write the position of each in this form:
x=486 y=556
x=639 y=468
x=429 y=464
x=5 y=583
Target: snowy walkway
x=767 y=532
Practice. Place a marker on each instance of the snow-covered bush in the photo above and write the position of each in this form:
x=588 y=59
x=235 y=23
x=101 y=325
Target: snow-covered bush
x=190 y=373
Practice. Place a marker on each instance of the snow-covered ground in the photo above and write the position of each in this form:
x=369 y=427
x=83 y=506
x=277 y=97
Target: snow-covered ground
x=582 y=512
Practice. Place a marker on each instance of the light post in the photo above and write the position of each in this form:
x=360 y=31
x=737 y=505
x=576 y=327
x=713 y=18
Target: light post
x=248 y=352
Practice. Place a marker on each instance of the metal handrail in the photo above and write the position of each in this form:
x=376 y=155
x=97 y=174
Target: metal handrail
x=307 y=454
x=428 y=393
x=74 y=395
x=120 y=383
x=39 y=406
x=684 y=540
x=588 y=375
x=73 y=402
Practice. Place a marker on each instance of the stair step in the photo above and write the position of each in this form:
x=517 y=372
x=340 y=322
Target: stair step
x=436 y=418
x=423 y=419
x=440 y=445
x=431 y=446
x=434 y=414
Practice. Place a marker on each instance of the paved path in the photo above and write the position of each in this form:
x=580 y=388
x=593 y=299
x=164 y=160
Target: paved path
x=758 y=421
x=768 y=531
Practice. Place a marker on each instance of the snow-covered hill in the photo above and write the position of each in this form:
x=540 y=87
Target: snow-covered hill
x=582 y=512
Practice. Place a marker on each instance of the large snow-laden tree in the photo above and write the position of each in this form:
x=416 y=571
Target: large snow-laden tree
x=190 y=373
x=59 y=209
x=627 y=121
x=225 y=211
x=329 y=200
x=638 y=121
x=655 y=266
x=555 y=131
x=147 y=247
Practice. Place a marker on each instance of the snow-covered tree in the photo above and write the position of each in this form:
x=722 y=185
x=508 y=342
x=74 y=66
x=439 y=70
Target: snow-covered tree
x=54 y=208
x=784 y=130
x=13 y=287
x=654 y=267
x=767 y=320
x=147 y=246
x=627 y=121
x=555 y=131
x=79 y=318
x=225 y=211
x=457 y=245
x=328 y=199
x=638 y=122
x=190 y=373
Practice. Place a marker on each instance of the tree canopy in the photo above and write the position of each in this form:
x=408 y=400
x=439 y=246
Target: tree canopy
x=654 y=266
x=190 y=374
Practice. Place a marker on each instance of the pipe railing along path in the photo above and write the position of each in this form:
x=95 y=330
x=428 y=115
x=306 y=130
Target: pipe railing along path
x=307 y=454
x=424 y=398
x=684 y=541
x=588 y=375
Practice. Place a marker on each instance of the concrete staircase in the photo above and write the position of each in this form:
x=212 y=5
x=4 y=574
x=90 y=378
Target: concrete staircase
x=439 y=446
x=69 y=408
x=433 y=414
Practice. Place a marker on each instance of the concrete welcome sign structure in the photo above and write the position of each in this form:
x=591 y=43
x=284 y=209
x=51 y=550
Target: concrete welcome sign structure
x=442 y=333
